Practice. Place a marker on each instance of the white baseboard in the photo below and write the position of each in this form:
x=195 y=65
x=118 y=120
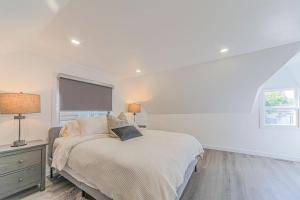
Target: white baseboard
x=254 y=153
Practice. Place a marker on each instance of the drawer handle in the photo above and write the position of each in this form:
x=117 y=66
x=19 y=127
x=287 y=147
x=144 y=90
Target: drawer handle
x=20 y=161
x=20 y=180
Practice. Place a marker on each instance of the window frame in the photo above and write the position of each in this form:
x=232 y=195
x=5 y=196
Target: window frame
x=263 y=109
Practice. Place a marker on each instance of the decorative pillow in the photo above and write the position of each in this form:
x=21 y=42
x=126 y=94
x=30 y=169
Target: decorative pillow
x=116 y=122
x=127 y=132
x=70 y=129
x=93 y=125
x=122 y=116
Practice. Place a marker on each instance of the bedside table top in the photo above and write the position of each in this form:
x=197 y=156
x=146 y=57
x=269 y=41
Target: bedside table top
x=30 y=144
x=142 y=126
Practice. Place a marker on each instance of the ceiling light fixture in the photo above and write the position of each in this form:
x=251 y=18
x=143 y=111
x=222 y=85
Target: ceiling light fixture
x=225 y=50
x=75 y=42
x=138 y=71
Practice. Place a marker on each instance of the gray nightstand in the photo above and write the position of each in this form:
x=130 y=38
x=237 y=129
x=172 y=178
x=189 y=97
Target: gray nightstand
x=142 y=126
x=22 y=167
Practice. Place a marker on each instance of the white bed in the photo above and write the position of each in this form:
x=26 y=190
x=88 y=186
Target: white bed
x=154 y=166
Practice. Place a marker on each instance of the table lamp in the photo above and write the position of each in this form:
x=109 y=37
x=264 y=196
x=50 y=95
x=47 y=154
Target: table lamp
x=134 y=108
x=19 y=103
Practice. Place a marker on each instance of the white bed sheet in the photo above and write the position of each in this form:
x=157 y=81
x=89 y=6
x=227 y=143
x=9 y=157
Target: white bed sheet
x=78 y=177
x=145 y=168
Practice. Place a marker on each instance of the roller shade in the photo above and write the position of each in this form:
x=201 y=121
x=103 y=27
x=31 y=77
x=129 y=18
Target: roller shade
x=75 y=95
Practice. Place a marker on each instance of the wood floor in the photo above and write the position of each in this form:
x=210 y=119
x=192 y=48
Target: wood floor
x=224 y=176
x=232 y=176
x=56 y=189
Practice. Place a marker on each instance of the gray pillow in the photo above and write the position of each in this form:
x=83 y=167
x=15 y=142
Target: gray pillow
x=127 y=132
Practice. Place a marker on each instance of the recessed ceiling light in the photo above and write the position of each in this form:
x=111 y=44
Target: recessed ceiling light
x=138 y=71
x=225 y=50
x=75 y=42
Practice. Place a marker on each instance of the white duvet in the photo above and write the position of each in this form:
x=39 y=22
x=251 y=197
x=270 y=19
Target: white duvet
x=150 y=167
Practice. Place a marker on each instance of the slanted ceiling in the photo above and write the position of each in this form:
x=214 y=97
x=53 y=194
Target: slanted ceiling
x=167 y=39
x=153 y=35
x=224 y=86
x=293 y=68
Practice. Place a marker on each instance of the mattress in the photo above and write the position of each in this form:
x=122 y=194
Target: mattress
x=91 y=189
x=149 y=167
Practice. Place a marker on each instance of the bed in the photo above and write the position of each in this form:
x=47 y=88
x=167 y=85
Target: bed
x=79 y=171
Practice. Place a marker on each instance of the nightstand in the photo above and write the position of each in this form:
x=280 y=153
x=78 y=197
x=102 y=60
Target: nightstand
x=22 y=167
x=142 y=126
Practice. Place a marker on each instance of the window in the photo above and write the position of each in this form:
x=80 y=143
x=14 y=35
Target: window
x=280 y=108
x=67 y=116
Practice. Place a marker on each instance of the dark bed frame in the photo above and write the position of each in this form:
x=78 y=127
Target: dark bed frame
x=54 y=133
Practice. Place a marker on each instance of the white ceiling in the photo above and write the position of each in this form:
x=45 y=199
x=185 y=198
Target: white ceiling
x=121 y=36
x=22 y=21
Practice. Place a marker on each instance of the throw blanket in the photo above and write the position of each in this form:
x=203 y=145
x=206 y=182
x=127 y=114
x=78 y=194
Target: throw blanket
x=150 y=167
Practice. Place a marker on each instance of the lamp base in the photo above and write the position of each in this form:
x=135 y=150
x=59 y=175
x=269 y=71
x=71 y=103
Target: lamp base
x=19 y=143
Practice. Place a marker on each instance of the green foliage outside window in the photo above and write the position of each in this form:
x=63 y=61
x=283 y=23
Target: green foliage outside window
x=276 y=99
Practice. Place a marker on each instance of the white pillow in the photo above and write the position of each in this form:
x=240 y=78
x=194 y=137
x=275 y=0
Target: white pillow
x=93 y=125
x=70 y=129
x=116 y=122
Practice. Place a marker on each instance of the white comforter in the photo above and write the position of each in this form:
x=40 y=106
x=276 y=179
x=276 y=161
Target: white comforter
x=150 y=167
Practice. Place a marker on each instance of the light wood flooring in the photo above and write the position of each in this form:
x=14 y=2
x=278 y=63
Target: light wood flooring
x=56 y=189
x=232 y=176
x=220 y=176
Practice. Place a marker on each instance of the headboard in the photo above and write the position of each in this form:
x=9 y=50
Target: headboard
x=52 y=135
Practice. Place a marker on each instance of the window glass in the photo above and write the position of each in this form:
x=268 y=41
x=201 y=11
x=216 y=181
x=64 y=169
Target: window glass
x=281 y=117
x=280 y=107
x=280 y=98
x=67 y=116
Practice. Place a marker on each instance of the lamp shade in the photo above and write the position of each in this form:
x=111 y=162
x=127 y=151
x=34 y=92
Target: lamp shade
x=134 y=108
x=19 y=103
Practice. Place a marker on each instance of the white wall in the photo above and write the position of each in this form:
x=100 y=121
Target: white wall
x=241 y=132
x=229 y=131
x=233 y=132
x=220 y=109
x=35 y=74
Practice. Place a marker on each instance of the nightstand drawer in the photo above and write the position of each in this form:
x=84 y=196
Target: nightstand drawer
x=20 y=180
x=14 y=162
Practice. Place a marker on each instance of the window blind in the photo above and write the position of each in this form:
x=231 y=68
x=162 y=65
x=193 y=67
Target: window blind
x=75 y=95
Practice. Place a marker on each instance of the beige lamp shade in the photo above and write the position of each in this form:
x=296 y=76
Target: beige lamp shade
x=134 y=108
x=19 y=103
